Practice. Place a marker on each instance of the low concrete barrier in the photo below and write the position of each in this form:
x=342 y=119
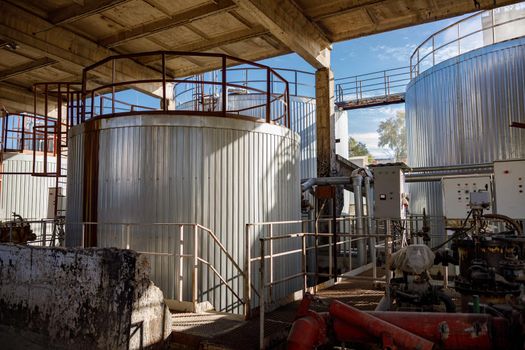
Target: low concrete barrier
x=54 y=298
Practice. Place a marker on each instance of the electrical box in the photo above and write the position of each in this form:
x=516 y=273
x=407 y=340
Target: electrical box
x=389 y=191
x=55 y=200
x=509 y=181
x=457 y=194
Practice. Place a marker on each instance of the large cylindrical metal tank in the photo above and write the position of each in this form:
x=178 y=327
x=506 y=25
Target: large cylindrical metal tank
x=221 y=173
x=459 y=112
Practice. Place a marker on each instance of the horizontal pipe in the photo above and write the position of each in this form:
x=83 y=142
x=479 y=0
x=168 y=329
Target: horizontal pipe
x=453 y=331
x=319 y=181
x=437 y=177
x=378 y=327
x=451 y=167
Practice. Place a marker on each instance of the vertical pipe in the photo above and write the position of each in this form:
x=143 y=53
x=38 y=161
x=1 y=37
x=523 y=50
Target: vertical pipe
x=316 y=243
x=262 y=297
x=247 y=274
x=388 y=251
x=195 y=287
x=22 y=138
x=270 y=288
x=370 y=228
x=268 y=95
x=181 y=263
x=303 y=261
x=45 y=127
x=223 y=84
x=288 y=112
x=128 y=236
x=334 y=232
x=164 y=102
x=433 y=50
x=112 y=86
x=357 y=182
x=385 y=82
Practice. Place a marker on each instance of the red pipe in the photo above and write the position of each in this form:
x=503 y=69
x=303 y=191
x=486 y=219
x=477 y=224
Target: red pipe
x=307 y=333
x=377 y=327
x=455 y=336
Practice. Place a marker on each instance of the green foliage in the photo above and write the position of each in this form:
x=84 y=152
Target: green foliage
x=393 y=135
x=356 y=149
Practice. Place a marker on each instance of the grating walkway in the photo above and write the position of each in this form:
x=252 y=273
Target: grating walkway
x=224 y=331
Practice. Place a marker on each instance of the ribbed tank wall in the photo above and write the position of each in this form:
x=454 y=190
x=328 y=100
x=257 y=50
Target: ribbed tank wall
x=25 y=194
x=459 y=112
x=302 y=121
x=221 y=173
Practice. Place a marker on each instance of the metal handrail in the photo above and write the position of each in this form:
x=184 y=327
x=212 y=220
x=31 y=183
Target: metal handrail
x=384 y=229
x=194 y=256
x=385 y=83
x=420 y=55
x=165 y=79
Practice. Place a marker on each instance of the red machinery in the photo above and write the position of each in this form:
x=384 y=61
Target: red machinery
x=400 y=330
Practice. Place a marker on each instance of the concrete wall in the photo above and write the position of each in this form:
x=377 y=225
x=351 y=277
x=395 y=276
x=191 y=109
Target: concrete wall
x=52 y=298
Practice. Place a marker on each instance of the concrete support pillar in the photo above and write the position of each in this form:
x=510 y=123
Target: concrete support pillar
x=357 y=183
x=325 y=121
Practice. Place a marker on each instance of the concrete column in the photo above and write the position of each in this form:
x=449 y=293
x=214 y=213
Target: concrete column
x=325 y=121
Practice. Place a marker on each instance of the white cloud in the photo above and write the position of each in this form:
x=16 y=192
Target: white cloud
x=399 y=53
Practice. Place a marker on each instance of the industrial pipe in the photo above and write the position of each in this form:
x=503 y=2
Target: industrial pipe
x=370 y=223
x=377 y=327
x=432 y=176
x=357 y=183
x=319 y=181
x=451 y=331
x=308 y=332
x=451 y=167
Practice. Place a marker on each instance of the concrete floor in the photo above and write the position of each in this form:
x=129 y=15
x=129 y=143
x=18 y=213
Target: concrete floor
x=221 y=331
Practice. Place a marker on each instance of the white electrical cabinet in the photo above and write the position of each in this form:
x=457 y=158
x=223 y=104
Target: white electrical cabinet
x=52 y=203
x=389 y=188
x=456 y=193
x=509 y=181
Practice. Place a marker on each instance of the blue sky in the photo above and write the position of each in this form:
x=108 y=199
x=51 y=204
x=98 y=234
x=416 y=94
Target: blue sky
x=365 y=55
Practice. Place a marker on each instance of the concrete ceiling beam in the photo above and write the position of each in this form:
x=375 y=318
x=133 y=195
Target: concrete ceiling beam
x=77 y=52
x=26 y=67
x=288 y=24
x=167 y=23
x=78 y=10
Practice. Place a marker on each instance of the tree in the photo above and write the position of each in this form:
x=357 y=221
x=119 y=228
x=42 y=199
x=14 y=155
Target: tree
x=356 y=149
x=392 y=134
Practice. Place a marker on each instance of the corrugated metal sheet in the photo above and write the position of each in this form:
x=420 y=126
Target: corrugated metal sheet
x=221 y=173
x=459 y=111
x=302 y=121
x=25 y=194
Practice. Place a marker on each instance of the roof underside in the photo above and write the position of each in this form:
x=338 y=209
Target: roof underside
x=52 y=40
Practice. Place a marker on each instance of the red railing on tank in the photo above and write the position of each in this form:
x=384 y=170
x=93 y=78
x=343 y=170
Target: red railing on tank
x=58 y=106
x=104 y=86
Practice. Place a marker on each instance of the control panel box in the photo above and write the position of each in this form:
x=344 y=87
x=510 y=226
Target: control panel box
x=509 y=183
x=389 y=189
x=457 y=194
x=55 y=201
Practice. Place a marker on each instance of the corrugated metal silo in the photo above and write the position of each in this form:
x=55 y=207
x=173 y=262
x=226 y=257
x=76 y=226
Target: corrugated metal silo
x=219 y=172
x=459 y=112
